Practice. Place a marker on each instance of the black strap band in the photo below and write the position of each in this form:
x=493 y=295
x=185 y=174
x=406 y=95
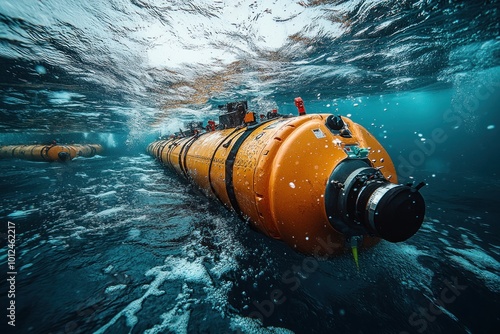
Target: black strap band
x=160 y=149
x=171 y=147
x=230 y=164
x=213 y=157
x=44 y=152
x=183 y=154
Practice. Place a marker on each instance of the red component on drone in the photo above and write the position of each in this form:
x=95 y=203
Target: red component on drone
x=299 y=103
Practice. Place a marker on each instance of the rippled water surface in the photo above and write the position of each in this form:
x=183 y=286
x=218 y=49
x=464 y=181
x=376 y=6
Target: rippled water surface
x=117 y=244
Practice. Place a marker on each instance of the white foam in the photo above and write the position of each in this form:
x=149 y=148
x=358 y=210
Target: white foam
x=97 y=156
x=88 y=189
x=174 y=269
x=253 y=326
x=182 y=269
x=176 y=320
x=111 y=211
x=227 y=262
x=113 y=288
x=191 y=269
x=112 y=192
x=480 y=264
x=139 y=169
x=112 y=171
x=21 y=213
x=131 y=309
x=152 y=192
x=88 y=215
x=108 y=269
x=134 y=233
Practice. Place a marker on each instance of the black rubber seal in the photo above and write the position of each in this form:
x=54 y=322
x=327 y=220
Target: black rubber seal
x=335 y=210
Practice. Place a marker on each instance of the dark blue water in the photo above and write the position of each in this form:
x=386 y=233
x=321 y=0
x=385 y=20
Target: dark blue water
x=118 y=244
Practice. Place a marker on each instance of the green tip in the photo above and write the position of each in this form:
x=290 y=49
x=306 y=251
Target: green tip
x=355 y=255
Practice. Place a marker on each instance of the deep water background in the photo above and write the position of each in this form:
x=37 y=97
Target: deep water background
x=116 y=243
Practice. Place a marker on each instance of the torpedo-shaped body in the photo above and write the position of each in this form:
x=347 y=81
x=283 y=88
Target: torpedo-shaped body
x=314 y=181
x=51 y=152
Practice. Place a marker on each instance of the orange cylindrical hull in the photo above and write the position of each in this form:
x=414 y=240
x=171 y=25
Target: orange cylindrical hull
x=49 y=152
x=274 y=174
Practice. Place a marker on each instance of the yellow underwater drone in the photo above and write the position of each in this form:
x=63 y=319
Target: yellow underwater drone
x=51 y=152
x=321 y=183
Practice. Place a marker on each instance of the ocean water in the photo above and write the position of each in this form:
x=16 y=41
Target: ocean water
x=119 y=244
